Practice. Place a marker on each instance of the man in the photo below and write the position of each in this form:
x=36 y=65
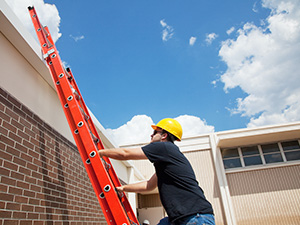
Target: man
x=179 y=192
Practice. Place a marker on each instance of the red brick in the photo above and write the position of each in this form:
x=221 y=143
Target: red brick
x=30 y=132
x=17 y=176
x=19 y=112
x=4 y=155
x=9 y=181
x=33 y=154
x=25 y=123
x=14 y=137
x=19 y=215
x=33 y=201
x=24 y=170
x=27 y=111
x=9 y=126
x=11 y=114
x=28 y=193
x=2 y=107
x=3 y=131
x=4 y=116
x=22 y=185
x=21 y=199
x=13 y=206
x=32 y=216
x=19 y=161
x=4 y=171
x=23 y=134
x=7 y=140
x=39 y=209
x=12 y=151
x=35 y=188
x=11 y=222
x=36 y=222
x=21 y=147
x=17 y=124
x=27 y=144
x=15 y=190
x=37 y=162
x=35 y=130
x=5 y=214
x=3 y=188
x=14 y=101
x=26 y=157
x=27 y=208
x=31 y=166
x=36 y=175
x=6 y=197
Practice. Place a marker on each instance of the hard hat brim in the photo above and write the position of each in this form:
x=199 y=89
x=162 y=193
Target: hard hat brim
x=154 y=127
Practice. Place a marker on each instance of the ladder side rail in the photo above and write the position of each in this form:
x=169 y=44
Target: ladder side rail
x=41 y=32
x=89 y=146
x=63 y=95
x=83 y=152
x=91 y=173
x=110 y=170
x=100 y=145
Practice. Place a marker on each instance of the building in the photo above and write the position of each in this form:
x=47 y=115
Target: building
x=251 y=176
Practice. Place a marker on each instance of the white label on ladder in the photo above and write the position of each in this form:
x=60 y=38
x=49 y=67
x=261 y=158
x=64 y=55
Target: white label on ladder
x=48 y=53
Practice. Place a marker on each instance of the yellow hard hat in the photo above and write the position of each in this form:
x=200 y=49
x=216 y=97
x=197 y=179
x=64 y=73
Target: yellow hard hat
x=170 y=125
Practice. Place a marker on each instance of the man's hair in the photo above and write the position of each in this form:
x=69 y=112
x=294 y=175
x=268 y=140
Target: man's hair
x=170 y=136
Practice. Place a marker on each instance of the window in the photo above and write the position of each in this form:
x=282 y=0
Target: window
x=291 y=150
x=272 y=153
x=251 y=155
x=231 y=158
x=261 y=154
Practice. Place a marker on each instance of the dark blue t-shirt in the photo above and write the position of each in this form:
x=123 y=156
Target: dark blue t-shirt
x=178 y=188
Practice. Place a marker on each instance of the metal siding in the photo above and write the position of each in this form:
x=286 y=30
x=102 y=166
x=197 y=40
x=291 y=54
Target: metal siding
x=268 y=196
x=203 y=166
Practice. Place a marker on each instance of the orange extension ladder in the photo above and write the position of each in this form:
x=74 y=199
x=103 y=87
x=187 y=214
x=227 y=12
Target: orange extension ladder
x=116 y=209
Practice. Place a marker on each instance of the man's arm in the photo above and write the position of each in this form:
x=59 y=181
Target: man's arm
x=123 y=153
x=143 y=186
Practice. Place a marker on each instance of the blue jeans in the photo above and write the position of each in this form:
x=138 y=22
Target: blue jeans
x=199 y=219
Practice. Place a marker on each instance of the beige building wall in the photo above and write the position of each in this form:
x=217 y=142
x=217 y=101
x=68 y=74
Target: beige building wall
x=263 y=194
x=266 y=196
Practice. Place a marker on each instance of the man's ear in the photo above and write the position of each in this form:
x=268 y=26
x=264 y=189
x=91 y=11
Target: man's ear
x=164 y=136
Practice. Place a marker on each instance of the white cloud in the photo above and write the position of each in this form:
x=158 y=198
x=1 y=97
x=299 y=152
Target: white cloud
x=77 y=38
x=264 y=62
x=48 y=15
x=192 y=41
x=167 y=32
x=229 y=31
x=210 y=37
x=138 y=129
x=193 y=126
x=254 y=7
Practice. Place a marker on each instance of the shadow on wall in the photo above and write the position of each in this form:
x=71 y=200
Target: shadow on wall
x=54 y=189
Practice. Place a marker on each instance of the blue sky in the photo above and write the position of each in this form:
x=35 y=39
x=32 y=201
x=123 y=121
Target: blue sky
x=218 y=65
x=124 y=68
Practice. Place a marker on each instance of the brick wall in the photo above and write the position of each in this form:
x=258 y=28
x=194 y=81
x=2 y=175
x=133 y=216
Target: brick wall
x=43 y=180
